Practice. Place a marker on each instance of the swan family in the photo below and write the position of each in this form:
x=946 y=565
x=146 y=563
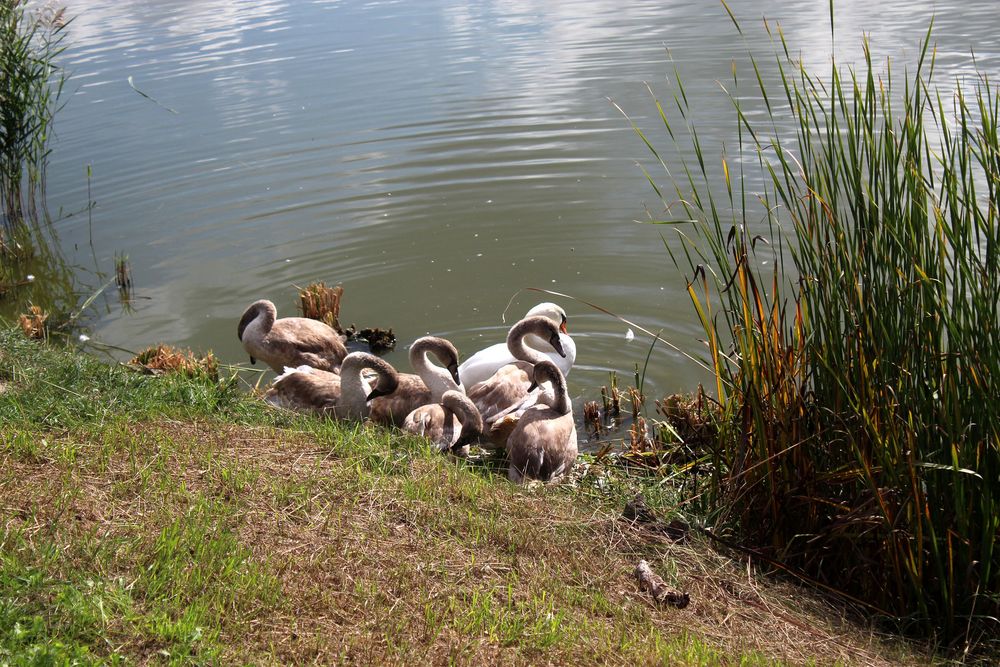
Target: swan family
x=510 y=396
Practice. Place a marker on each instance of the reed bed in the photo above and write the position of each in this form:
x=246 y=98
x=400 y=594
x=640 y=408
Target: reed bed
x=856 y=370
x=29 y=90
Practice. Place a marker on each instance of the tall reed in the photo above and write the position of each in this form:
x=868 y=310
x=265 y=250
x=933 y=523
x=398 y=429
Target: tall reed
x=858 y=370
x=30 y=84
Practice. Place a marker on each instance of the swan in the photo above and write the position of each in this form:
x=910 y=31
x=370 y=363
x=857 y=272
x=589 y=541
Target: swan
x=343 y=396
x=543 y=444
x=290 y=341
x=451 y=424
x=427 y=386
x=484 y=363
x=509 y=385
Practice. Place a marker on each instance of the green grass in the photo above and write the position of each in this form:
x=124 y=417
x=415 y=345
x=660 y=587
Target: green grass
x=176 y=520
x=858 y=370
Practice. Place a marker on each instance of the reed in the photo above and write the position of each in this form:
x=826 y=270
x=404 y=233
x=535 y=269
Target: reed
x=857 y=371
x=123 y=277
x=30 y=85
x=322 y=303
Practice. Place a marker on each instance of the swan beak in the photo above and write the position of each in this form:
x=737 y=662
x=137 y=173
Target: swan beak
x=453 y=369
x=534 y=385
x=252 y=361
x=375 y=393
x=562 y=327
x=557 y=344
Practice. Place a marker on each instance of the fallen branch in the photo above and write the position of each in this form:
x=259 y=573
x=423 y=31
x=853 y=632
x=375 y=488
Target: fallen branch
x=657 y=587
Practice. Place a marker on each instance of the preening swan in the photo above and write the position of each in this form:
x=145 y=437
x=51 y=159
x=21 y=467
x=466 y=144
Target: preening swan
x=452 y=424
x=343 y=396
x=290 y=341
x=509 y=385
x=427 y=386
x=543 y=444
x=484 y=363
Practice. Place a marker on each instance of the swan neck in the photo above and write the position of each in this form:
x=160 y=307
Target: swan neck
x=436 y=377
x=354 y=390
x=555 y=394
x=466 y=413
x=524 y=344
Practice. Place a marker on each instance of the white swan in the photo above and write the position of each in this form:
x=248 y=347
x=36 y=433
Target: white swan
x=290 y=341
x=343 y=396
x=427 y=386
x=543 y=444
x=484 y=363
x=510 y=384
x=452 y=424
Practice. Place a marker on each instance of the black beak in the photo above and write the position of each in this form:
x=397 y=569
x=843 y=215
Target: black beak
x=453 y=369
x=467 y=438
x=375 y=393
x=557 y=344
x=252 y=361
x=534 y=384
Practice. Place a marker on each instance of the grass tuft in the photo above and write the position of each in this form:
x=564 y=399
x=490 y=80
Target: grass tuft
x=33 y=322
x=165 y=359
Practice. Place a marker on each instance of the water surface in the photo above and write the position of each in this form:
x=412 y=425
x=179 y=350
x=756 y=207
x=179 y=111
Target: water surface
x=434 y=157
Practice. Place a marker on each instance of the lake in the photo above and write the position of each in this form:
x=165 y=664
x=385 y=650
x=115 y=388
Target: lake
x=435 y=158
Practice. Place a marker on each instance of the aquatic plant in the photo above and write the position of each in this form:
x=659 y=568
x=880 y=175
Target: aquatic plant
x=322 y=303
x=852 y=316
x=30 y=84
x=123 y=277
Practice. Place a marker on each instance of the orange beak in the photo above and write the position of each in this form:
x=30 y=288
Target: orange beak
x=562 y=327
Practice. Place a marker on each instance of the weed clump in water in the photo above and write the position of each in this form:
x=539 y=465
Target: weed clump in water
x=322 y=303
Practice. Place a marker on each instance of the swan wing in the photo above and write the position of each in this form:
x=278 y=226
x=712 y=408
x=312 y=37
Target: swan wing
x=483 y=364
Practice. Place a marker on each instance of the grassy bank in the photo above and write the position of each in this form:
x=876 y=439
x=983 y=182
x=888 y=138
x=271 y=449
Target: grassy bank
x=165 y=519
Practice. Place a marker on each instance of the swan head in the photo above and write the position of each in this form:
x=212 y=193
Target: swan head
x=453 y=369
x=251 y=313
x=442 y=348
x=552 y=312
x=543 y=327
x=545 y=371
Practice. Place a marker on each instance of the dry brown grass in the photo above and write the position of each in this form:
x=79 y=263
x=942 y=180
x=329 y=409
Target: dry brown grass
x=166 y=359
x=33 y=322
x=422 y=562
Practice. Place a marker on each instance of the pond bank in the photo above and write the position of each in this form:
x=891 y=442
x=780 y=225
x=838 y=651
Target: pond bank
x=168 y=518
